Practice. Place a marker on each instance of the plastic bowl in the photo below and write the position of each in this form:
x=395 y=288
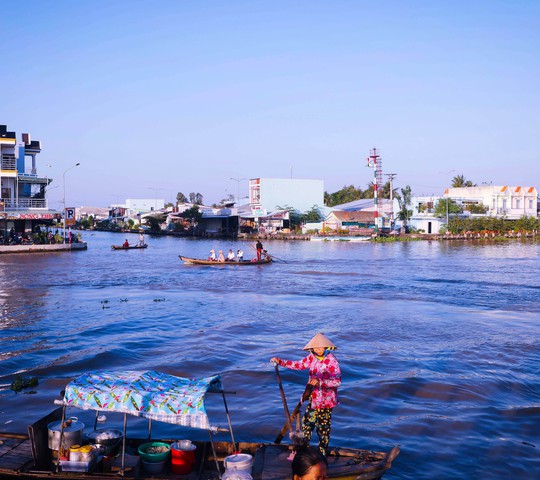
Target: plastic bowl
x=154 y=467
x=154 y=457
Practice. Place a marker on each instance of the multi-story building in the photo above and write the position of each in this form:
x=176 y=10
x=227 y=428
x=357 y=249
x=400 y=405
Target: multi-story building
x=498 y=201
x=267 y=195
x=23 y=202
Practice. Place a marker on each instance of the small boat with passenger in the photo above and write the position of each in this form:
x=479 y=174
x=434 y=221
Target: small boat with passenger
x=128 y=247
x=58 y=447
x=244 y=263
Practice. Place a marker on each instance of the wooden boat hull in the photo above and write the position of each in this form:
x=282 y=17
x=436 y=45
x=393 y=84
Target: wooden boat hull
x=28 y=457
x=131 y=247
x=199 y=261
x=270 y=462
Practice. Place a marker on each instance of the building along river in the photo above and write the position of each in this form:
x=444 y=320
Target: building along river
x=438 y=341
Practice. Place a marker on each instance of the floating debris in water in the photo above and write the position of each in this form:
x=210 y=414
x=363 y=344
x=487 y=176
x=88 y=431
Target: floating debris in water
x=123 y=299
x=159 y=299
x=104 y=301
x=24 y=382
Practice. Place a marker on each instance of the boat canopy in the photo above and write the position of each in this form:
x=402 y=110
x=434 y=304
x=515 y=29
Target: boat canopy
x=150 y=394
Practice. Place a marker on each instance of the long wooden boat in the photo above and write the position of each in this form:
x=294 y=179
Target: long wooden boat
x=200 y=261
x=27 y=456
x=134 y=247
x=270 y=461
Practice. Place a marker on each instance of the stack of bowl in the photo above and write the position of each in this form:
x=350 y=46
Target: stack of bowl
x=154 y=456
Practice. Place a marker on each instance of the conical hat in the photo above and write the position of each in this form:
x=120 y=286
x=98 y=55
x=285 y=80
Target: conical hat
x=319 y=341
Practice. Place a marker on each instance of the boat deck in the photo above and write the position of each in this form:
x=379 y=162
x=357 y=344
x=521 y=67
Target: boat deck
x=270 y=463
x=28 y=457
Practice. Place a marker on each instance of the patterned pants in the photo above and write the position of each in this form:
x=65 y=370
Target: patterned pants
x=321 y=419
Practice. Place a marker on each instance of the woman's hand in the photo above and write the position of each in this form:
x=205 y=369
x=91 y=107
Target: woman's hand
x=314 y=382
x=274 y=360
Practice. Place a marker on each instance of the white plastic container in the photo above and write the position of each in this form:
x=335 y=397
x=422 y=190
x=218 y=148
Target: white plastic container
x=239 y=461
x=236 y=475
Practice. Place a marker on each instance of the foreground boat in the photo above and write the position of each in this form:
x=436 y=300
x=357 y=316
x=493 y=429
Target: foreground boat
x=134 y=247
x=157 y=397
x=200 y=261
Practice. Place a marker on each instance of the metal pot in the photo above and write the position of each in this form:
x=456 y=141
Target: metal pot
x=72 y=433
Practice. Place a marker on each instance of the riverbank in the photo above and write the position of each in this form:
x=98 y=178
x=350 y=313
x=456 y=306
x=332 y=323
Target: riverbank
x=57 y=247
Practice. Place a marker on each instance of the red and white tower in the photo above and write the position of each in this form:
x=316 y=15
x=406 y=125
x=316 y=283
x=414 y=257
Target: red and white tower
x=374 y=161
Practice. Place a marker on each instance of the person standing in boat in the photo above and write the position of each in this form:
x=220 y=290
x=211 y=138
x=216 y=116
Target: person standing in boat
x=259 y=248
x=325 y=377
x=141 y=239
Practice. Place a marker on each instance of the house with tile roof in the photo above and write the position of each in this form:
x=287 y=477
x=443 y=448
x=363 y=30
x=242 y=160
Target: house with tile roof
x=353 y=222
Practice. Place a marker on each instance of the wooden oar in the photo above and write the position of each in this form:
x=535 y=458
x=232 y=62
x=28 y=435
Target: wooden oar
x=284 y=400
x=305 y=396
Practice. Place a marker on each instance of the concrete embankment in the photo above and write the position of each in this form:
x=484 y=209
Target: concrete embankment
x=57 y=247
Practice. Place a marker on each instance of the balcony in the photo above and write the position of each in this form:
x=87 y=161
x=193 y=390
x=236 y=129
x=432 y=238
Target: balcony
x=24 y=203
x=9 y=164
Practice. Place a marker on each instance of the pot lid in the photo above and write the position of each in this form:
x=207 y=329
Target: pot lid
x=74 y=427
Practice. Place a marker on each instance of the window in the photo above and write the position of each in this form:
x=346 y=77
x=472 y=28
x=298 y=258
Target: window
x=518 y=203
x=530 y=203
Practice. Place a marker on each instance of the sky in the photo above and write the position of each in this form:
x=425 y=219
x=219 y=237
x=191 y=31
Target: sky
x=155 y=98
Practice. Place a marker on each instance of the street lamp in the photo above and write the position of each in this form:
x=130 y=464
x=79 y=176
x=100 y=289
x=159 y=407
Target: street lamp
x=237 y=180
x=64 y=199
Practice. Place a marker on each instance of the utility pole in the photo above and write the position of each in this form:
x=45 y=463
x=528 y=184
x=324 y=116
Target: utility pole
x=374 y=161
x=391 y=177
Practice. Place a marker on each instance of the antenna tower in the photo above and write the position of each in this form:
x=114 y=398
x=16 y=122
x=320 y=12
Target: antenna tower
x=374 y=161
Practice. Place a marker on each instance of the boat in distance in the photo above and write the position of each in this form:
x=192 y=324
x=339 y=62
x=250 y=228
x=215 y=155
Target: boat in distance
x=130 y=247
x=204 y=261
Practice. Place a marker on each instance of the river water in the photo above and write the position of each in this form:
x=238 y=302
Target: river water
x=438 y=341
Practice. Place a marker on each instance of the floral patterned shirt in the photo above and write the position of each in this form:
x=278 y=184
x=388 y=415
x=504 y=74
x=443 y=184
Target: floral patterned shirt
x=326 y=371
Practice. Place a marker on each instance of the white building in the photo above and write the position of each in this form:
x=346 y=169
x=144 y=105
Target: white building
x=423 y=217
x=500 y=201
x=143 y=205
x=268 y=194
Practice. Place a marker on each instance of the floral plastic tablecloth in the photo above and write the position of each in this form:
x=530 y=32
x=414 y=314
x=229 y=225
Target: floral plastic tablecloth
x=154 y=395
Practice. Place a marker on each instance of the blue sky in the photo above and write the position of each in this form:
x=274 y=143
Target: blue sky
x=158 y=97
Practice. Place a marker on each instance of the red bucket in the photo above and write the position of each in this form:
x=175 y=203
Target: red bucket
x=182 y=460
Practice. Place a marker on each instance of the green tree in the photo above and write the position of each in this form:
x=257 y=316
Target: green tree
x=313 y=215
x=155 y=221
x=404 y=199
x=295 y=217
x=460 y=181
x=453 y=208
x=194 y=216
x=181 y=198
x=195 y=198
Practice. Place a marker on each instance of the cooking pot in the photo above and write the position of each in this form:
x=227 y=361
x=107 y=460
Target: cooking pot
x=73 y=430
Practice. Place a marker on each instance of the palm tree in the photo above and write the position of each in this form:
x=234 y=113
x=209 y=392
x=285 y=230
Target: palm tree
x=404 y=200
x=460 y=181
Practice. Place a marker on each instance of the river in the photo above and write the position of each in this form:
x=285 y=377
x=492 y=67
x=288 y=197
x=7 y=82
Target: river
x=438 y=341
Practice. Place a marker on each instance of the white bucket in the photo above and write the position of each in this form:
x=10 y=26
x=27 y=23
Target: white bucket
x=239 y=461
